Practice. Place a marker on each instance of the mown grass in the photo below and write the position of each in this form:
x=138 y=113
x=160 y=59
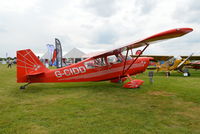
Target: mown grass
x=169 y=105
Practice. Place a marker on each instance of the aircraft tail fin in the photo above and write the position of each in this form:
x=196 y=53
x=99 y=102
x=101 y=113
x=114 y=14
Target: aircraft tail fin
x=28 y=64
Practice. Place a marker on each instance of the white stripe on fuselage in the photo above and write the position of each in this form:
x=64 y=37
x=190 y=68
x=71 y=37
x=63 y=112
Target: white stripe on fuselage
x=103 y=72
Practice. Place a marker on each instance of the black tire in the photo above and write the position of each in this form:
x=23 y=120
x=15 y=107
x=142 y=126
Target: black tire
x=189 y=74
x=22 y=87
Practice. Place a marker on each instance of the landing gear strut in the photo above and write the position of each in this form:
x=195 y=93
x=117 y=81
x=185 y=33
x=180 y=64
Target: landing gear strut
x=133 y=83
x=24 y=86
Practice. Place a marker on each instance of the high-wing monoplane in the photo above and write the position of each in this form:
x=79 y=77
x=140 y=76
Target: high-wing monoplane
x=111 y=65
x=169 y=63
x=194 y=65
x=175 y=64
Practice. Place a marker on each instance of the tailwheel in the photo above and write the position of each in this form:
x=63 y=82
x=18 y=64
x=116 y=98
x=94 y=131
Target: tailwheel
x=24 y=86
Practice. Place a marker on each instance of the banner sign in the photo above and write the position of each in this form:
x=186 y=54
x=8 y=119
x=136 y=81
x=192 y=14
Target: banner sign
x=58 y=53
x=50 y=48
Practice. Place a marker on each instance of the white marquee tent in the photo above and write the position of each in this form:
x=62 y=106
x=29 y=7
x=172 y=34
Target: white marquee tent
x=47 y=55
x=75 y=55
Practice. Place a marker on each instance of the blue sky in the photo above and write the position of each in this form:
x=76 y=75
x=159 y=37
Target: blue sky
x=95 y=25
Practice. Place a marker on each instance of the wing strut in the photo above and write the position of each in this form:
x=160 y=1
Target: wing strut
x=124 y=71
x=125 y=61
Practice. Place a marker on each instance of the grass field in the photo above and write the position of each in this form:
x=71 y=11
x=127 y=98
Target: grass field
x=169 y=105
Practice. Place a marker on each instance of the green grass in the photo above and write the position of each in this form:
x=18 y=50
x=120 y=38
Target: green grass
x=169 y=105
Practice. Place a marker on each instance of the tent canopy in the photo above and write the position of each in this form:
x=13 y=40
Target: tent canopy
x=74 y=53
x=46 y=56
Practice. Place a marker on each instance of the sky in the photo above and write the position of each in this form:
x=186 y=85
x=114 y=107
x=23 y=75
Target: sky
x=97 y=25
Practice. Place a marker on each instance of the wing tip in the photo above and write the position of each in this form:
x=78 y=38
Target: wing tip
x=185 y=30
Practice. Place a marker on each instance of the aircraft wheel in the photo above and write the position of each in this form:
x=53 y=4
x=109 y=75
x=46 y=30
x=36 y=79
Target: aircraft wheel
x=22 y=87
x=187 y=74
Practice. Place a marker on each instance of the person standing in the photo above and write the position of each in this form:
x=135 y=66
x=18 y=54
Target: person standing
x=9 y=63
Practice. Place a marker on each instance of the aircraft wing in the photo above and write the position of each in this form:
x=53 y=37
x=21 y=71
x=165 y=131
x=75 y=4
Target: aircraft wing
x=195 y=63
x=194 y=57
x=173 y=33
x=157 y=57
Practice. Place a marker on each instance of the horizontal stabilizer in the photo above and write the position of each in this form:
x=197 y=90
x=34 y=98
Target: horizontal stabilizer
x=35 y=73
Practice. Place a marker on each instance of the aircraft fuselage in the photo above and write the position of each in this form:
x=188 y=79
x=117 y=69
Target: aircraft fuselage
x=79 y=72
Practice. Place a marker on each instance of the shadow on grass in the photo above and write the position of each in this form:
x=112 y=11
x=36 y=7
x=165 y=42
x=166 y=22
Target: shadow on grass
x=194 y=73
x=93 y=86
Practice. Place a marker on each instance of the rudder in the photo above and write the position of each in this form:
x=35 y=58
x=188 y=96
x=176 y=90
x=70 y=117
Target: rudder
x=28 y=64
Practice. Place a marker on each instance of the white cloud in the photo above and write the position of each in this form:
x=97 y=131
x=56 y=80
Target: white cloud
x=96 y=24
x=17 y=6
x=103 y=8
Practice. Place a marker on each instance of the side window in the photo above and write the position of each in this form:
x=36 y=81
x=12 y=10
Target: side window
x=129 y=56
x=100 y=61
x=94 y=63
x=113 y=59
x=89 y=64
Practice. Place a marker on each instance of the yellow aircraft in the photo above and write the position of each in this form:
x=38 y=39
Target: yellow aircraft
x=174 y=64
x=171 y=64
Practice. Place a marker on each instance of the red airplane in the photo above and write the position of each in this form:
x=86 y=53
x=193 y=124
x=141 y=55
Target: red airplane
x=194 y=65
x=109 y=65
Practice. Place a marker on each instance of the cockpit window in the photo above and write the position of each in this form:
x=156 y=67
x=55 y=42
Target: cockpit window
x=171 y=61
x=94 y=63
x=113 y=59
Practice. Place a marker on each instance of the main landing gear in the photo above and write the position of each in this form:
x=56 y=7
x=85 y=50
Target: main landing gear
x=186 y=72
x=119 y=80
x=133 y=83
x=24 y=86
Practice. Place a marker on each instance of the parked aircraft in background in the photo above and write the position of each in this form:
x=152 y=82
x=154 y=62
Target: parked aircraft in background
x=172 y=63
x=108 y=65
x=194 y=65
